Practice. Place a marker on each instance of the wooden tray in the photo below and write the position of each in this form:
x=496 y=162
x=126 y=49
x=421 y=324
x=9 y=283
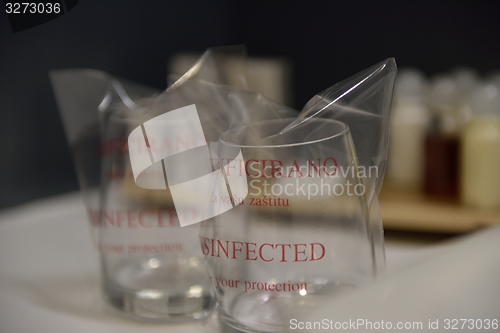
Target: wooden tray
x=413 y=211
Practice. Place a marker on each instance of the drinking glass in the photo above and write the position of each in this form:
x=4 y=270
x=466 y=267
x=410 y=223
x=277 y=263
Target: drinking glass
x=303 y=233
x=152 y=268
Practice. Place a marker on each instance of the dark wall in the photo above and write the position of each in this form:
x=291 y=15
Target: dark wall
x=326 y=41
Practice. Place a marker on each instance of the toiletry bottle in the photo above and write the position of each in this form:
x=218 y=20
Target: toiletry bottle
x=480 y=151
x=466 y=81
x=409 y=123
x=441 y=144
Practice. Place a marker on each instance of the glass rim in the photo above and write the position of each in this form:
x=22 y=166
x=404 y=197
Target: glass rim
x=344 y=130
x=120 y=117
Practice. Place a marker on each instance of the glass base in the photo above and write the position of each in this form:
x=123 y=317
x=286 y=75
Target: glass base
x=271 y=312
x=159 y=290
x=164 y=308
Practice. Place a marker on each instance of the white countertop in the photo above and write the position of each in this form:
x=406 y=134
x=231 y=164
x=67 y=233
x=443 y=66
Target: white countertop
x=49 y=277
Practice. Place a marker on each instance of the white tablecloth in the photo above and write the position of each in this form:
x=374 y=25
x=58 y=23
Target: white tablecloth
x=49 y=277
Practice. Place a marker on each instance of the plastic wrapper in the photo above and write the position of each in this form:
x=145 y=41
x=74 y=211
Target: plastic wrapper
x=206 y=151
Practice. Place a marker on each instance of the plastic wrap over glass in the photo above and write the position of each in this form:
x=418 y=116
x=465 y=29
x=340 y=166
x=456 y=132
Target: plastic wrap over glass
x=309 y=229
x=287 y=200
x=152 y=269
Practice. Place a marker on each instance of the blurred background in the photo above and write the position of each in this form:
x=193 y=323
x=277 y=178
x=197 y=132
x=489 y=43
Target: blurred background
x=317 y=45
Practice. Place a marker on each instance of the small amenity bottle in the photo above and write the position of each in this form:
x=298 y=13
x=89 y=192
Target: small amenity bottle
x=480 y=151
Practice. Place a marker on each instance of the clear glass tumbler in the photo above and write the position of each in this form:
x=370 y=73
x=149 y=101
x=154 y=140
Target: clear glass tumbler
x=302 y=234
x=152 y=268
